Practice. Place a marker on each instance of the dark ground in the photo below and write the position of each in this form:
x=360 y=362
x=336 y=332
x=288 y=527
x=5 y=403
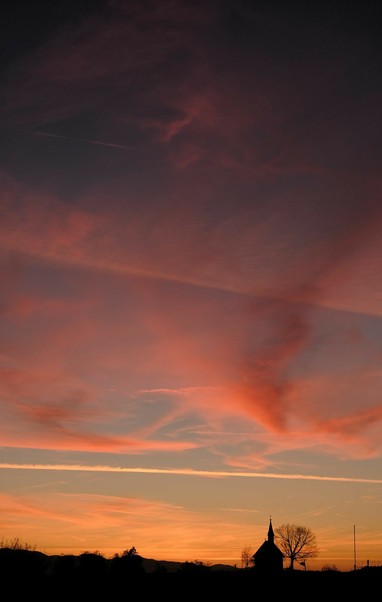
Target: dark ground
x=30 y=574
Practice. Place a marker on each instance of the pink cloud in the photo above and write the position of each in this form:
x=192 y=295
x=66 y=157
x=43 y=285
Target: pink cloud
x=351 y=425
x=223 y=356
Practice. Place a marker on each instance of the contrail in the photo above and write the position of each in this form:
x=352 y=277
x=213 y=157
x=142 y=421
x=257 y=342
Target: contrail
x=87 y=140
x=184 y=472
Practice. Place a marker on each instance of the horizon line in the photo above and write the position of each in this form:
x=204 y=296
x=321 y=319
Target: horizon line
x=184 y=472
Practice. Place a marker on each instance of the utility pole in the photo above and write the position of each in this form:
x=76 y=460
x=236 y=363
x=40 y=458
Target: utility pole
x=355 y=556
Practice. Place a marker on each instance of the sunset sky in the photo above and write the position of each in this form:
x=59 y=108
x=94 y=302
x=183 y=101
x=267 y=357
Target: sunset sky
x=191 y=276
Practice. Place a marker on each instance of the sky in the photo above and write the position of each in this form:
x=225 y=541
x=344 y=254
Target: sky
x=190 y=277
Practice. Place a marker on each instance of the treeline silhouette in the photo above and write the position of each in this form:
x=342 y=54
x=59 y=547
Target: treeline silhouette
x=28 y=571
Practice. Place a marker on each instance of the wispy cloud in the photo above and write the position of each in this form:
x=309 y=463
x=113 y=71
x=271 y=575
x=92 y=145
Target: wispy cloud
x=184 y=472
x=205 y=286
x=86 y=140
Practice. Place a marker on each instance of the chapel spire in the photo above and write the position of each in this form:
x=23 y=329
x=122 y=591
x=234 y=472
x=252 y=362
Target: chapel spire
x=271 y=535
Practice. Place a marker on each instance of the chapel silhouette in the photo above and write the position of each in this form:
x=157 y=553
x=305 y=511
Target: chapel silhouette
x=268 y=558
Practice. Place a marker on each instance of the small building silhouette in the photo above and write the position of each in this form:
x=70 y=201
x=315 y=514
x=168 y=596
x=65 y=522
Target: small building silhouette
x=268 y=558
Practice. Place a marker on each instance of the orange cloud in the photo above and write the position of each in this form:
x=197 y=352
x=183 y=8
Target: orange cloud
x=110 y=524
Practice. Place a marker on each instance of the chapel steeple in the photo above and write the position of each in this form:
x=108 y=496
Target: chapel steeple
x=271 y=535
